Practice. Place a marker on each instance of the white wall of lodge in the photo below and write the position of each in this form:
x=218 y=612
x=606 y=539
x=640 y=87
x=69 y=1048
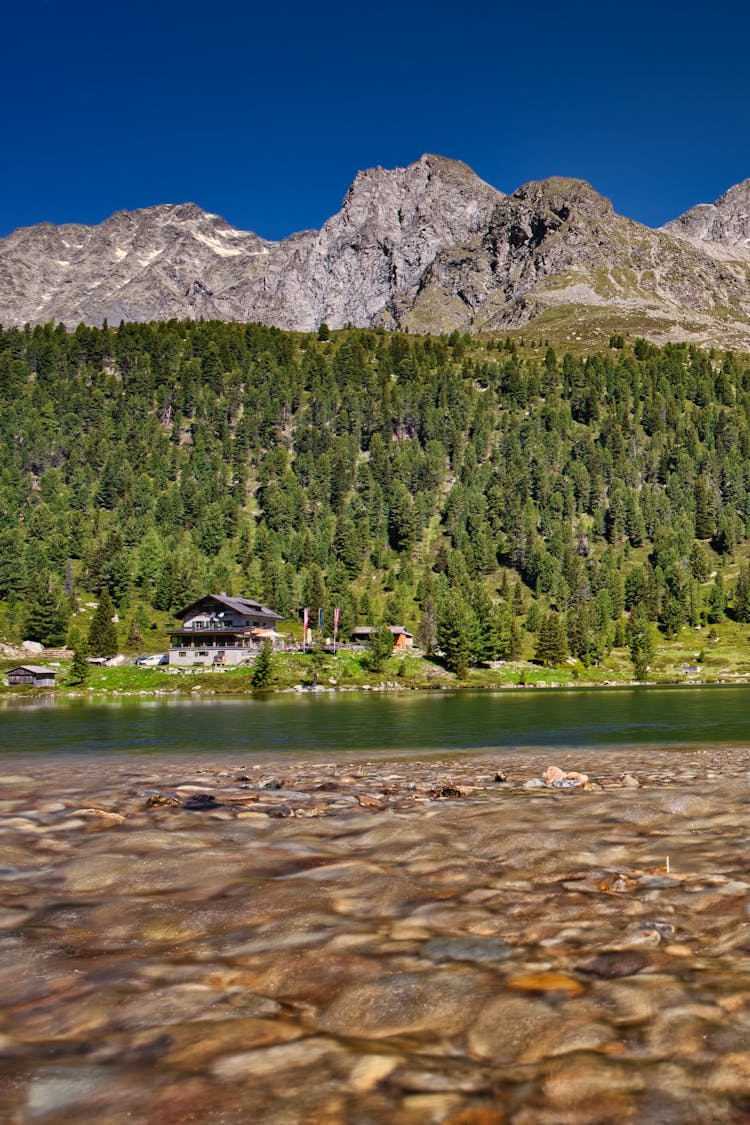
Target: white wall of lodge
x=188 y=656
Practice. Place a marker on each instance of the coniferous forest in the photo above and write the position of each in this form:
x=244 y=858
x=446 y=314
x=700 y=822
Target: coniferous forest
x=495 y=497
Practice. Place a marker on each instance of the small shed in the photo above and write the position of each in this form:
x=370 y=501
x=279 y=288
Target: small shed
x=402 y=638
x=33 y=674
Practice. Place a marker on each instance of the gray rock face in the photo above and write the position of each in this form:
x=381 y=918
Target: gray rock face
x=368 y=261
x=722 y=228
x=430 y=247
x=558 y=244
x=156 y=263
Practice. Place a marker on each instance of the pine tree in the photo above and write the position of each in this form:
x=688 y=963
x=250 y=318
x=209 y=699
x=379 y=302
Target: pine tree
x=514 y=641
x=551 y=646
x=47 y=620
x=263 y=666
x=102 y=639
x=427 y=628
x=457 y=633
x=742 y=595
x=379 y=649
x=640 y=641
x=79 y=668
x=716 y=602
x=134 y=637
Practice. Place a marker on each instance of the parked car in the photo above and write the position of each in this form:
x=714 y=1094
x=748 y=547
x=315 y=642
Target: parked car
x=151 y=659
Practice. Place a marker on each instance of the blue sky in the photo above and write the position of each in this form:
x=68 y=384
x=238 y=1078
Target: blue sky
x=264 y=114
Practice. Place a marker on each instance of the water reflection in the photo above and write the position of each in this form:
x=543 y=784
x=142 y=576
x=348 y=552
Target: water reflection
x=397 y=722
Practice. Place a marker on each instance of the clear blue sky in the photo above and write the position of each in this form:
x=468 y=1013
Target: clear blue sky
x=265 y=112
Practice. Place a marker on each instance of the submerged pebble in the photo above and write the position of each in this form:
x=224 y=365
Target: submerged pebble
x=453 y=941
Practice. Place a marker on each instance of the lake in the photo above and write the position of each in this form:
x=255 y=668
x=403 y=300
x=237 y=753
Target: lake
x=382 y=723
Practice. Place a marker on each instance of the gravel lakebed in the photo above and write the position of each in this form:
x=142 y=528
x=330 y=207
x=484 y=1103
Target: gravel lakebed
x=321 y=941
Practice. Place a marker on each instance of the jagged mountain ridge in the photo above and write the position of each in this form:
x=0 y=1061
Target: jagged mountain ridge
x=429 y=247
x=722 y=228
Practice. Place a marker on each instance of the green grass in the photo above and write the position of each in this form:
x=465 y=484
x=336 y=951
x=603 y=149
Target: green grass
x=722 y=653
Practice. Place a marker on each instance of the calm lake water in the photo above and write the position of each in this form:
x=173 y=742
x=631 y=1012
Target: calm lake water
x=412 y=722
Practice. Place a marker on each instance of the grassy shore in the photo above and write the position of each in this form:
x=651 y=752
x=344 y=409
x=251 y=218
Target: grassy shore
x=720 y=656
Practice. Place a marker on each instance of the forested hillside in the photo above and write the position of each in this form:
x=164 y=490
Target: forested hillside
x=493 y=497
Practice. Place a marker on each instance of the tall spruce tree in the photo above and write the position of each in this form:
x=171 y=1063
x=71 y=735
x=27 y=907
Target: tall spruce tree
x=640 y=641
x=47 y=619
x=379 y=649
x=102 y=639
x=552 y=645
x=457 y=633
x=263 y=666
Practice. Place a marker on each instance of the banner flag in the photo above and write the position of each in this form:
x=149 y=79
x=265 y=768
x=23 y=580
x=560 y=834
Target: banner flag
x=305 y=620
x=320 y=620
x=336 y=619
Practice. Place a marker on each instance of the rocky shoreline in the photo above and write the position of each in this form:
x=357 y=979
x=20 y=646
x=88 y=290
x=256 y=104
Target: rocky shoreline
x=467 y=940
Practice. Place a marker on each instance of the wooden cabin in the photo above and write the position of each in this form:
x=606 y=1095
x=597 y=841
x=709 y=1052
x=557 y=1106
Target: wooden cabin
x=402 y=638
x=33 y=674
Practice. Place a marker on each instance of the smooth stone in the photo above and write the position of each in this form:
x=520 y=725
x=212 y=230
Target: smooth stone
x=731 y=1074
x=476 y=949
x=546 y=982
x=448 y=1079
x=61 y=1087
x=273 y=1060
x=438 y=1002
x=163 y=800
x=370 y=1070
x=201 y=802
x=507 y=1025
x=194 y=1044
x=578 y=1080
x=620 y=964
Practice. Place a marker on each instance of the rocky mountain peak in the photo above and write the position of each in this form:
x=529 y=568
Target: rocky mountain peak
x=430 y=247
x=563 y=196
x=439 y=195
x=721 y=229
x=374 y=252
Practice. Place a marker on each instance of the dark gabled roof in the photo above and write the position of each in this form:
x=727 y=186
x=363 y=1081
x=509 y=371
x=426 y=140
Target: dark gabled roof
x=397 y=630
x=239 y=605
x=35 y=669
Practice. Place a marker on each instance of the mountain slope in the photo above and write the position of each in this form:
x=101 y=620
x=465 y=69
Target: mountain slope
x=430 y=247
x=721 y=229
x=557 y=246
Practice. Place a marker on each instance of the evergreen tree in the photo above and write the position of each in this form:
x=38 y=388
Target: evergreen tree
x=514 y=641
x=427 y=628
x=742 y=595
x=47 y=620
x=263 y=666
x=716 y=602
x=457 y=633
x=640 y=641
x=135 y=637
x=551 y=645
x=379 y=649
x=402 y=521
x=79 y=668
x=102 y=638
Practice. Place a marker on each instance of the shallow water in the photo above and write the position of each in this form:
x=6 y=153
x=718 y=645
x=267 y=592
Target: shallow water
x=374 y=942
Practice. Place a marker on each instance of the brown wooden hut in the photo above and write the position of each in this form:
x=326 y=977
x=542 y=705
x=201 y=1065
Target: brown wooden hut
x=34 y=674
